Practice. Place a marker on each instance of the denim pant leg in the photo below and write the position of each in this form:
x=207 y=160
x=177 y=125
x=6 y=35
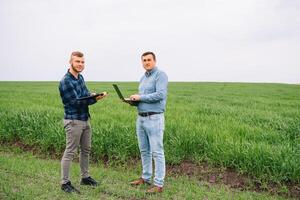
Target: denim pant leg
x=155 y=128
x=145 y=150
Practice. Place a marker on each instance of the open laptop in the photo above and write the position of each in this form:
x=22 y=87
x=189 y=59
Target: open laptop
x=91 y=96
x=126 y=100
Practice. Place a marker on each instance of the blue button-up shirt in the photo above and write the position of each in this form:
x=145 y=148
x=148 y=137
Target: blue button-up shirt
x=70 y=90
x=153 y=90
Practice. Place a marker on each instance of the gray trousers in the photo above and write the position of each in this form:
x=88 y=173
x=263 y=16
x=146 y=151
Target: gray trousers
x=78 y=134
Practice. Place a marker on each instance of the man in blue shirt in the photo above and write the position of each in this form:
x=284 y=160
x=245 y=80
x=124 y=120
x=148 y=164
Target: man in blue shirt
x=76 y=122
x=150 y=122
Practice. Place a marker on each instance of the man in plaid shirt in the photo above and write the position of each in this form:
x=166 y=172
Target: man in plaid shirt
x=76 y=122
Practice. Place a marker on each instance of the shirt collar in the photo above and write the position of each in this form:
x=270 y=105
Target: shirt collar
x=149 y=73
x=71 y=75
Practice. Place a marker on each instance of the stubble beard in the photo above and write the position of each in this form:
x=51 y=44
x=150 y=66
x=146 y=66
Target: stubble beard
x=74 y=69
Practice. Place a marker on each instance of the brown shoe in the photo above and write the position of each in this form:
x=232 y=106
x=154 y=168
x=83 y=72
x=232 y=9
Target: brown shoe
x=154 y=189
x=140 y=181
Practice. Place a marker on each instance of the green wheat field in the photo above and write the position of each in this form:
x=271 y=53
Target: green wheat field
x=252 y=128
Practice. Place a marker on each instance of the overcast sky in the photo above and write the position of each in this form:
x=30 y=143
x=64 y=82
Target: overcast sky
x=198 y=40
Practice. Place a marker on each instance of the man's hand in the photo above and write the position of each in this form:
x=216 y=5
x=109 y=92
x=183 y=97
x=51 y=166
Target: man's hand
x=135 y=97
x=101 y=96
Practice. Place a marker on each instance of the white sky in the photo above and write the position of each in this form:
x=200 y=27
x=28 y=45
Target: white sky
x=196 y=40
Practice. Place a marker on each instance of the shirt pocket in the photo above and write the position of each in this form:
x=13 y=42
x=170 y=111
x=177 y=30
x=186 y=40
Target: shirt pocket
x=150 y=88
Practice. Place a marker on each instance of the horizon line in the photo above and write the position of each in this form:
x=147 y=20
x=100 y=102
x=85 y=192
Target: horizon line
x=173 y=81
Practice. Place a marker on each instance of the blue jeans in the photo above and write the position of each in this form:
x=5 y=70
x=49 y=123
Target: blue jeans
x=150 y=131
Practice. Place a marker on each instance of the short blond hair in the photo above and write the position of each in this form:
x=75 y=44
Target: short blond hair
x=77 y=54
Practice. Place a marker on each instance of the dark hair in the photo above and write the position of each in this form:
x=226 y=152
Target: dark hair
x=149 y=53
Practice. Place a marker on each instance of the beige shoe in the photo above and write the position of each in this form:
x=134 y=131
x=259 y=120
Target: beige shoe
x=154 y=189
x=140 y=181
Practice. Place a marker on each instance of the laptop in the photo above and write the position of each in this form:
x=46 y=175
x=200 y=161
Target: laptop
x=91 y=96
x=126 y=100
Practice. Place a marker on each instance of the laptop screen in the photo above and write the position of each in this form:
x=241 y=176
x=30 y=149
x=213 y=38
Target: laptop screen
x=118 y=91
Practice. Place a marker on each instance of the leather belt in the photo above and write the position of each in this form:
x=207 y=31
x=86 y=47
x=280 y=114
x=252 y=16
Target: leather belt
x=148 y=114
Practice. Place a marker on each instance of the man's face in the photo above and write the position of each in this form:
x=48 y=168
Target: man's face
x=148 y=62
x=77 y=64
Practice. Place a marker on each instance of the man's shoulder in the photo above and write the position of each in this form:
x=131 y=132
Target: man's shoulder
x=143 y=76
x=65 y=78
x=161 y=73
x=65 y=82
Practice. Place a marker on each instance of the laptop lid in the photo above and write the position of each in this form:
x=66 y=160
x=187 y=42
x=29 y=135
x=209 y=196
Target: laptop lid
x=126 y=100
x=118 y=92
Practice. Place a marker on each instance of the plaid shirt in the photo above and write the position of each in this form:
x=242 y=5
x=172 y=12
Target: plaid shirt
x=70 y=90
